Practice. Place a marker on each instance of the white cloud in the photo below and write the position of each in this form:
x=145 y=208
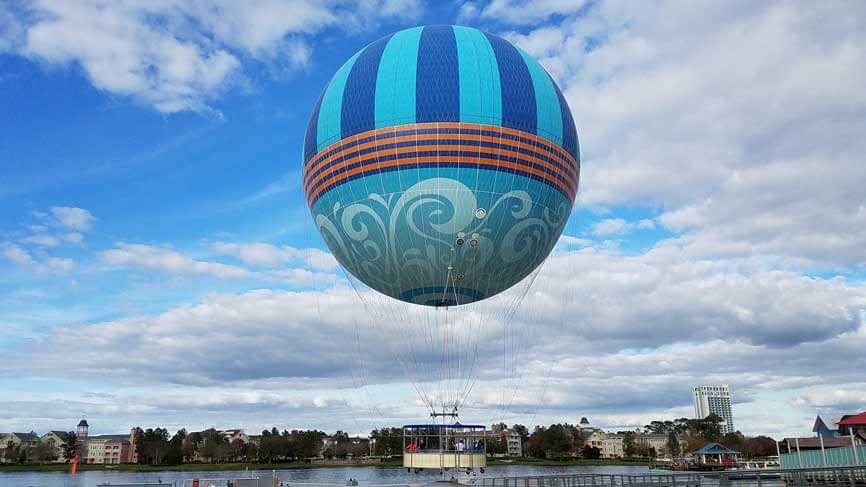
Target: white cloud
x=73 y=218
x=743 y=128
x=271 y=256
x=566 y=241
x=518 y=12
x=18 y=256
x=169 y=261
x=619 y=226
x=177 y=55
x=42 y=239
x=680 y=311
x=73 y=237
x=64 y=264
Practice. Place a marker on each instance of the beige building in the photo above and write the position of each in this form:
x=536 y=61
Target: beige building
x=108 y=449
x=56 y=440
x=596 y=440
x=14 y=440
x=613 y=444
x=612 y=447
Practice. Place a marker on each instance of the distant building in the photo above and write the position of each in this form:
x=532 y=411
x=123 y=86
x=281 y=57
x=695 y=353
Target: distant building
x=714 y=453
x=56 y=441
x=108 y=449
x=19 y=440
x=515 y=444
x=612 y=446
x=826 y=426
x=853 y=424
x=791 y=445
x=235 y=434
x=715 y=399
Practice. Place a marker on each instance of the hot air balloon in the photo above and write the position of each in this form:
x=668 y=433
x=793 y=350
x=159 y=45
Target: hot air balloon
x=441 y=164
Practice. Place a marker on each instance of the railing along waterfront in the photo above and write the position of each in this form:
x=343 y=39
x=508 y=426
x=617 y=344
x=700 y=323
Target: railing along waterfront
x=854 y=476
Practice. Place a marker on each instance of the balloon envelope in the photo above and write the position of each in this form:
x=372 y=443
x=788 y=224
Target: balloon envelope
x=441 y=164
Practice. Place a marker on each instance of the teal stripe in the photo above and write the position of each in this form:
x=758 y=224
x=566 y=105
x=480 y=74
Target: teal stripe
x=331 y=111
x=546 y=101
x=480 y=89
x=395 y=81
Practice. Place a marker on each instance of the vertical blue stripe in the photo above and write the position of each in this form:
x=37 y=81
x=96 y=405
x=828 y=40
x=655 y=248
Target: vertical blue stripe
x=480 y=93
x=437 y=92
x=359 y=98
x=569 y=131
x=395 y=82
x=310 y=146
x=549 y=115
x=330 y=111
x=518 y=94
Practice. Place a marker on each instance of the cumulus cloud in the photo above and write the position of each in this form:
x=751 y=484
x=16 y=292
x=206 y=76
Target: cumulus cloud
x=619 y=226
x=269 y=255
x=175 y=55
x=517 y=12
x=73 y=218
x=765 y=328
x=18 y=256
x=169 y=261
x=42 y=239
x=724 y=123
x=74 y=237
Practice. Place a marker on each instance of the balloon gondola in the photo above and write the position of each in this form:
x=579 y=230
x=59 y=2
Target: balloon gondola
x=441 y=164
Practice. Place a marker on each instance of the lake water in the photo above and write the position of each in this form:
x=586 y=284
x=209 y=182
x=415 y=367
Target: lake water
x=329 y=475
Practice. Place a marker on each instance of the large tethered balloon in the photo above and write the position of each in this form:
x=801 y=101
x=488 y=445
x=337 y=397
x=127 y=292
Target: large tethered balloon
x=441 y=164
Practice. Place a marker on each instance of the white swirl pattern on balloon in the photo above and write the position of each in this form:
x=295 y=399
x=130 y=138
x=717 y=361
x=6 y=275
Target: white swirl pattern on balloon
x=402 y=245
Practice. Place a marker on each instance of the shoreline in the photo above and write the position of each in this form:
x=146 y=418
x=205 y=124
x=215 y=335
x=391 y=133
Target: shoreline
x=207 y=467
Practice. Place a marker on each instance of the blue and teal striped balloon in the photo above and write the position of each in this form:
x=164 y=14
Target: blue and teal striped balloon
x=441 y=164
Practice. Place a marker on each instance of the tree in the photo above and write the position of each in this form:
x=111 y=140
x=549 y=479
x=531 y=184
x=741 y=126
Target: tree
x=591 y=452
x=10 y=454
x=70 y=444
x=759 y=446
x=214 y=445
x=556 y=441
x=387 y=441
x=734 y=441
x=533 y=446
x=309 y=443
x=43 y=452
x=153 y=445
x=629 y=444
x=673 y=444
x=660 y=427
x=269 y=447
x=175 y=455
x=190 y=445
x=237 y=450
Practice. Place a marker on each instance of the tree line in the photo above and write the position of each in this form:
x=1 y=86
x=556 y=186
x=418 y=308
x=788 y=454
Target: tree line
x=155 y=446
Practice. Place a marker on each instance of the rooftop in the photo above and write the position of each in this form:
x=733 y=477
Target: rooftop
x=853 y=419
x=715 y=449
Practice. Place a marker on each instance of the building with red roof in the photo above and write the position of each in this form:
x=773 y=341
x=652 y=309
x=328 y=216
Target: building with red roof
x=853 y=423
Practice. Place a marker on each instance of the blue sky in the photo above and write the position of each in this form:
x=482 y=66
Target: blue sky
x=152 y=218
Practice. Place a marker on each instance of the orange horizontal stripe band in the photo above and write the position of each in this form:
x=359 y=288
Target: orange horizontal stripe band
x=341 y=144
x=466 y=148
x=481 y=161
x=568 y=164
